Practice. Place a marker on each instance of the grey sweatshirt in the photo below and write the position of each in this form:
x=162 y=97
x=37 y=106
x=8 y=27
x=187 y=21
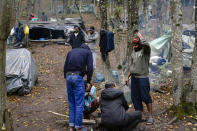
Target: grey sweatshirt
x=91 y=39
x=140 y=62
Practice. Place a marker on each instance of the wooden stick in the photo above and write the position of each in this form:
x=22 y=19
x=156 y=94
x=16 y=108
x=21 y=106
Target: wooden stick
x=58 y=114
x=173 y=120
x=85 y=121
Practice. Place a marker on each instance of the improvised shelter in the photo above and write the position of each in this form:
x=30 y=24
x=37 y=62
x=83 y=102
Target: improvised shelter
x=162 y=47
x=21 y=71
x=40 y=30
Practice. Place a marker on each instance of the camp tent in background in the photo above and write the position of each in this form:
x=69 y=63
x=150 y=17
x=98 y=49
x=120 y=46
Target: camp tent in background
x=161 y=47
x=21 y=71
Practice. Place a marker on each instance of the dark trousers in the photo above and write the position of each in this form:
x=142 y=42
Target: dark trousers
x=140 y=92
x=131 y=121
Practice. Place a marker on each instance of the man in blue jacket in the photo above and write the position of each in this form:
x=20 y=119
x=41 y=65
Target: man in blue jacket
x=79 y=62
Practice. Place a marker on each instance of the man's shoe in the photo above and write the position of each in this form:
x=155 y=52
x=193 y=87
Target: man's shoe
x=150 y=121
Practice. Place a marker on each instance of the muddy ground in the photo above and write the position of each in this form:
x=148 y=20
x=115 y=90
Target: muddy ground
x=31 y=112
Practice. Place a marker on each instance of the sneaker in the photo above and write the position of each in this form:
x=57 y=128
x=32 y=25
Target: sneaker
x=150 y=121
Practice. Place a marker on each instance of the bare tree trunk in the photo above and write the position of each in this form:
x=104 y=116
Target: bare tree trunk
x=13 y=14
x=132 y=26
x=117 y=36
x=65 y=5
x=103 y=13
x=5 y=14
x=176 y=44
x=192 y=90
x=77 y=4
x=39 y=8
x=34 y=6
x=145 y=10
x=55 y=9
x=28 y=10
x=104 y=25
x=18 y=11
x=125 y=6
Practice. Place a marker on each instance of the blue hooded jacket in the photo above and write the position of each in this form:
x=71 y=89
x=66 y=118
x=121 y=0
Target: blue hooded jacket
x=80 y=60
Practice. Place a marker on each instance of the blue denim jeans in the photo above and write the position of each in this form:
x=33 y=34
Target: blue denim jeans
x=76 y=92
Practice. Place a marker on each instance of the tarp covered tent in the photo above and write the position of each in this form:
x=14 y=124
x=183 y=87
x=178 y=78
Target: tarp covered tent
x=21 y=71
x=54 y=30
x=162 y=47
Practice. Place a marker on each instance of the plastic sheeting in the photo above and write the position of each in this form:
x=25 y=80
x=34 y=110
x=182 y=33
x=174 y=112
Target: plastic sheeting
x=21 y=71
x=54 y=30
x=161 y=47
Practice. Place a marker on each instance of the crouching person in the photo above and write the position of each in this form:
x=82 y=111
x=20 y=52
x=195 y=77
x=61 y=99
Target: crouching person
x=91 y=103
x=113 y=110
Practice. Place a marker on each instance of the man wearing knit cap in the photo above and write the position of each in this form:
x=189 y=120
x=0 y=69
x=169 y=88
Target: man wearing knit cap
x=139 y=71
x=92 y=43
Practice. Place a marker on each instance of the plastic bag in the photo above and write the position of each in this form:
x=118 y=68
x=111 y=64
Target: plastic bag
x=26 y=30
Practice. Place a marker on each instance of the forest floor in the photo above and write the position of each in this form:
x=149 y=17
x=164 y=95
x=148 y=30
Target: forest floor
x=32 y=112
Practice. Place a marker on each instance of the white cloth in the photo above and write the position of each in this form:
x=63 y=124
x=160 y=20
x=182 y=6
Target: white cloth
x=12 y=31
x=76 y=34
x=94 y=55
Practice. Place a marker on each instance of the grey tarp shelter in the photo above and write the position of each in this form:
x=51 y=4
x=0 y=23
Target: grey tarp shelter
x=21 y=71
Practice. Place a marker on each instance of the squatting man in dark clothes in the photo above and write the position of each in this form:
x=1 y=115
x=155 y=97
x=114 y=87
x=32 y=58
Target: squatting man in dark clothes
x=78 y=62
x=113 y=110
x=77 y=38
x=139 y=71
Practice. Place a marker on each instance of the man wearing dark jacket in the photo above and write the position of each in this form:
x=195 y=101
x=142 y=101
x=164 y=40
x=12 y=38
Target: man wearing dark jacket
x=77 y=38
x=79 y=62
x=113 y=110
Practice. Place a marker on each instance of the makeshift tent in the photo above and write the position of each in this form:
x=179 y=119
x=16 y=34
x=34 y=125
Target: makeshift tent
x=161 y=47
x=54 y=30
x=21 y=71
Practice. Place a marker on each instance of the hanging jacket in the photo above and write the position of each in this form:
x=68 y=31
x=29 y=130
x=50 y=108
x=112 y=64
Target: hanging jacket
x=103 y=44
x=110 y=41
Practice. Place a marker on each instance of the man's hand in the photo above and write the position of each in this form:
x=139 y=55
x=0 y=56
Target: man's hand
x=88 y=85
x=90 y=95
x=127 y=82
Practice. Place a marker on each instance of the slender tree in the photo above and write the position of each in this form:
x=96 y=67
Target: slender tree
x=145 y=10
x=176 y=46
x=17 y=10
x=192 y=90
x=5 y=19
x=34 y=6
x=117 y=18
x=103 y=13
x=104 y=25
x=65 y=5
x=132 y=26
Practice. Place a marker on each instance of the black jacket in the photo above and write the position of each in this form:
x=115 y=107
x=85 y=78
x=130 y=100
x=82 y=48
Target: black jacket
x=79 y=60
x=113 y=107
x=76 y=41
